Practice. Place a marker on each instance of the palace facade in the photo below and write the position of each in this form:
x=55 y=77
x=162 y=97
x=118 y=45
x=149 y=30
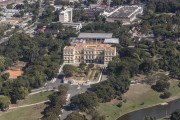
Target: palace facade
x=89 y=53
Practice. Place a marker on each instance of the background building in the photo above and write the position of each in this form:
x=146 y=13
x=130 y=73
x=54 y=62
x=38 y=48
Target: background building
x=126 y=14
x=8 y=13
x=71 y=0
x=65 y=16
x=89 y=53
x=97 y=38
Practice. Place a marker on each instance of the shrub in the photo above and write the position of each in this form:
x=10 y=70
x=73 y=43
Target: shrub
x=161 y=85
x=142 y=103
x=96 y=75
x=175 y=115
x=165 y=95
x=179 y=84
x=91 y=65
x=86 y=71
x=119 y=104
x=82 y=65
x=5 y=76
x=124 y=100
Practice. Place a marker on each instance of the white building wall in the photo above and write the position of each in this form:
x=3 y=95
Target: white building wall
x=66 y=15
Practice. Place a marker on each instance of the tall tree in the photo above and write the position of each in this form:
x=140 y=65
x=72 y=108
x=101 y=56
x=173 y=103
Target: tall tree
x=4 y=102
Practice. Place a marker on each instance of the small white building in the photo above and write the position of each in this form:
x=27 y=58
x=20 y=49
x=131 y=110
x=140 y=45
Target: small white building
x=65 y=16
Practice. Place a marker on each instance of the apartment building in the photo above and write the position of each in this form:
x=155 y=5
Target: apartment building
x=65 y=16
x=89 y=53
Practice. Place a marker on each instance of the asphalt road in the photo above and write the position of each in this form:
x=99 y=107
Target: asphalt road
x=73 y=90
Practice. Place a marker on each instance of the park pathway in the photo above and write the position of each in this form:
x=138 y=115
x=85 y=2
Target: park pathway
x=28 y=105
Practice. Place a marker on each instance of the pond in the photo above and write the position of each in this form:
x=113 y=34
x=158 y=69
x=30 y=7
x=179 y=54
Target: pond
x=157 y=111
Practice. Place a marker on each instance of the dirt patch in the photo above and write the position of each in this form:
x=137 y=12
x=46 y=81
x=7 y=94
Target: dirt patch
x=16 y=70
x=13 y=74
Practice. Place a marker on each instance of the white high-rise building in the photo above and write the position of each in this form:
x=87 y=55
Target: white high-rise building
x=65 y=16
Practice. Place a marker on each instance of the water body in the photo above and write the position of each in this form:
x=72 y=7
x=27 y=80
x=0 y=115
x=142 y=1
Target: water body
x=158 y=111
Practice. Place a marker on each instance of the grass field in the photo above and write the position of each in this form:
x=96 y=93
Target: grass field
x=34 y=98
x=139 y=96
x=27 y=113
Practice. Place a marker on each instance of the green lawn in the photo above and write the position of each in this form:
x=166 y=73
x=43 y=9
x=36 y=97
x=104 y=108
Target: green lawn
x=27 y=113
x=139 y=96
x=34 y=98
x=37 y=97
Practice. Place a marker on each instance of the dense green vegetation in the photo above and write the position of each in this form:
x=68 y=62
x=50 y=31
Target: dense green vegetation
x=4 y=102
x=43 y=56
x=3 y=28
x=75 y=116
x=175 y=115
x=27 y=7
x=69 y=70
x=162 y=19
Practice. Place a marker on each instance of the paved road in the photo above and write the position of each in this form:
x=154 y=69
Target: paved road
x=73 y=90
x=104 y=75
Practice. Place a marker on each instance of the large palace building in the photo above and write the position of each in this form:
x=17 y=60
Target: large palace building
x=89 y=53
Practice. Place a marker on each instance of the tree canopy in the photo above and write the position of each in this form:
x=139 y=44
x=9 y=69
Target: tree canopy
x=175 y=115
x=75 y=116
x=4 y=102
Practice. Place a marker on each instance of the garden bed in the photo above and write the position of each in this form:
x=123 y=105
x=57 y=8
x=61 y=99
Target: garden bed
x=86 y=73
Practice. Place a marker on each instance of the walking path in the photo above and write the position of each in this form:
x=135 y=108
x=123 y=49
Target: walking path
x=28 y=105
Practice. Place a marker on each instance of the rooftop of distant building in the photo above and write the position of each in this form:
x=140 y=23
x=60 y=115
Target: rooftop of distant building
x=91 y=46
x=95 y=35
x=121 y=11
